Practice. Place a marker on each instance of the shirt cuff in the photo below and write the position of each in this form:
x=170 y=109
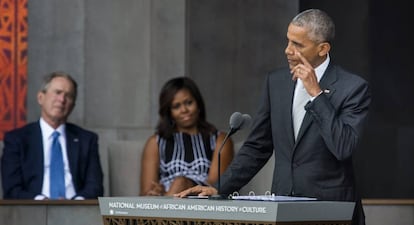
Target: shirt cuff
x=40 y=197
x=78 y=198
x=312 y=98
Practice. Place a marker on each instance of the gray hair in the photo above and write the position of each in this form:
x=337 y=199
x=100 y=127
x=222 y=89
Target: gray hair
x=319 y=24
x=49 y=77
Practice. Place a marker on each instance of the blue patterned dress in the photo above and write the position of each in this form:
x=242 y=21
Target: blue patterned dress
x=185 y=155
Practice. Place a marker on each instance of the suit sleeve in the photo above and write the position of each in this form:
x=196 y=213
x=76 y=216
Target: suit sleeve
x=90 y=180
x=255 y=152
x=341 y=124
x=12 y=170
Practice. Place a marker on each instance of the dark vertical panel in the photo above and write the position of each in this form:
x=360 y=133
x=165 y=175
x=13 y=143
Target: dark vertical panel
x=391 y=140
x=212 y=41
x=231 y=46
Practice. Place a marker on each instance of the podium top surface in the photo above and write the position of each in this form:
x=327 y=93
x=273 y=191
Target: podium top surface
x=193 y=208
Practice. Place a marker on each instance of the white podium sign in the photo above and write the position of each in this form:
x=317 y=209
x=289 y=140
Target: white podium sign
x=240 y=210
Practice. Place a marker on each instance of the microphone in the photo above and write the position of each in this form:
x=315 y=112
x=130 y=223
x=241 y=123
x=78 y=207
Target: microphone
x=237 y=122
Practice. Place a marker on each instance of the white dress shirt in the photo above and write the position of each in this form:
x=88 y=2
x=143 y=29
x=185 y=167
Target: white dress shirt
x=47 y=131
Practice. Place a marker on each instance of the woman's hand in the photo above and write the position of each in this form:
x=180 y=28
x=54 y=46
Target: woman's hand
x=197 y=190
x=156 y=189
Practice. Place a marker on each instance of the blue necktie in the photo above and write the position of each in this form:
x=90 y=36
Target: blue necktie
x=57 y=174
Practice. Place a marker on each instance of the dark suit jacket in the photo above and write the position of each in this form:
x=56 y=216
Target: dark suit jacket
x=319 y=163
x=22 y=162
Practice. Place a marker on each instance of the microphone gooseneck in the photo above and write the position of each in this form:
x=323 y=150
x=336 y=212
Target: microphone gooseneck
x=237 y=122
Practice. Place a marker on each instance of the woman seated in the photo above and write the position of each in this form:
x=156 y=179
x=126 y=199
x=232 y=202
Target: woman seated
x=184 y=150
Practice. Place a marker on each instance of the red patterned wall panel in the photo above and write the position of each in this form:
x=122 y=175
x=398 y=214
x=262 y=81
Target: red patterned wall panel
x=13 y=64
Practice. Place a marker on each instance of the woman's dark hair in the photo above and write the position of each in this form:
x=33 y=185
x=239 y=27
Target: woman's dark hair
x=166 y=126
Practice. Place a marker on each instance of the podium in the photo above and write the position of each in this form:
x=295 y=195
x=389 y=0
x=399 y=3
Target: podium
x=195 y=211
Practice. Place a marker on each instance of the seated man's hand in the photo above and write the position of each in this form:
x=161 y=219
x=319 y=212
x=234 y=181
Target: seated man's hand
x=197 y=190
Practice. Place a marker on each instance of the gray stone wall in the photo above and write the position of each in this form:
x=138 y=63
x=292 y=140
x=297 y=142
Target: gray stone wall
x=122 y=52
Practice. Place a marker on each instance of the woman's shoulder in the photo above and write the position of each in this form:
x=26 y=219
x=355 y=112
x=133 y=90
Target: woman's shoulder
x=153 y=139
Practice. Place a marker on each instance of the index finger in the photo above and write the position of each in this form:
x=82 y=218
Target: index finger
x=303 y=59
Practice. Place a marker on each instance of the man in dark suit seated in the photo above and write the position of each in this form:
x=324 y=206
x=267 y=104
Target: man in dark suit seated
x=50 y=158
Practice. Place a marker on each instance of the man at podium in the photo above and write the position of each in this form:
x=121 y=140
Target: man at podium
x=310 y=116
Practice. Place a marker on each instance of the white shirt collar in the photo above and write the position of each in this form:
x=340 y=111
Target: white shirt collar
x=47 y=130
x=320 y=70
